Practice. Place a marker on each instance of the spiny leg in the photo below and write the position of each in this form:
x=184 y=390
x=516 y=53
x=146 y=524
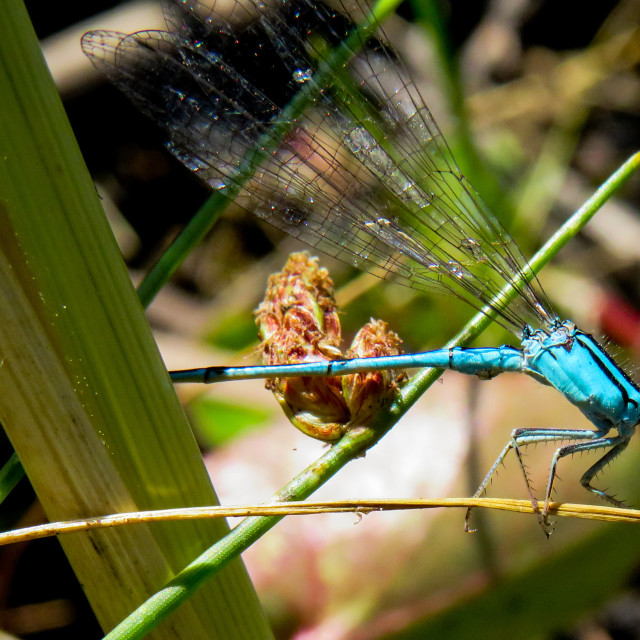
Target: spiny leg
x=487 y=479
x=524 y=437
x=617 y=444
x=588 y=475
x=513 y=443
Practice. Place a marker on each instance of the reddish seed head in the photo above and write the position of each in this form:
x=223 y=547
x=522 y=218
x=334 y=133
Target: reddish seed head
x=298 y=322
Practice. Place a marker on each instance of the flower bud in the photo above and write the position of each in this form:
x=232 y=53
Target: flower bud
x=298 y=322
x=367 y=393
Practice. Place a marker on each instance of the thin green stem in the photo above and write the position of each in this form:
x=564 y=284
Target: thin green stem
x=10 y=474
x=432 y=15
x=429 y=15
x=181 y=247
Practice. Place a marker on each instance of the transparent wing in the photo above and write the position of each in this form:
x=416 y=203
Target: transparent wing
x=362 y=173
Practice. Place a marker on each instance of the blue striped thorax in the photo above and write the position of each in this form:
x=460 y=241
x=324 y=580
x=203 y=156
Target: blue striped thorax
x=577 y=365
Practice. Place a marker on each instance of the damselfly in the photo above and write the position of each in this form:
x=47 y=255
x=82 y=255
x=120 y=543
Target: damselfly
x=330 y=140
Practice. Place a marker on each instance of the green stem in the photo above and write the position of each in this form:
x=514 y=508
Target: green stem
x=181 y=247
x=10 y=474
x=430 y=16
